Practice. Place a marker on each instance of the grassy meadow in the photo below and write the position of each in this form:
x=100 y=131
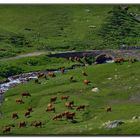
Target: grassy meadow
x=29 y=28
x=118 y=87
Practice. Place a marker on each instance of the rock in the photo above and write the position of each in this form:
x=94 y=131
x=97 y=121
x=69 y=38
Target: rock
x=135 y=117
x=113 y=124
x=109 y=78
x=95 y=89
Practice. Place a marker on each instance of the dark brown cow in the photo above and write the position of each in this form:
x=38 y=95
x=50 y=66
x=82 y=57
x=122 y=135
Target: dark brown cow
x=22 y=124
x=26 y=94
x=30 y=109
x=6 y=130
x=49 y=109
x=58 y=116
x=80 y=107
x=15 y=116
x=27 y=114
x=109 y=109
x=64 y=97
x=86 y=82
x=20 y=101
x=53 y=99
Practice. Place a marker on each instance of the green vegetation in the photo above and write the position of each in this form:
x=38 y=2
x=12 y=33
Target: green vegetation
x=28 y=28
x=121 y=93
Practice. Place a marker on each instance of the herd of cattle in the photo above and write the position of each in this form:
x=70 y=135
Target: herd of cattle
x=68 y=115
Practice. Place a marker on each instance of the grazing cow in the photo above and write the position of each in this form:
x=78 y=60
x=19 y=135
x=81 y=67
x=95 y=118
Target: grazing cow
x=58 y=116
x=50 y=109
x=62 y=70
x=84 y=73
x=109 y=109
x=80 y=107
x=53 y=99
x=22 y=124
x=6 y=130
x=27 y=114
x=69 y=105
x=37 y=124
x=86 y=82
x=20 y=101
x=69 y=116
x=50 y=105
x=15 y=116
x=26 y=94
x=118 y=60
x=30 y=109
x=51 y=74
x=64 y=97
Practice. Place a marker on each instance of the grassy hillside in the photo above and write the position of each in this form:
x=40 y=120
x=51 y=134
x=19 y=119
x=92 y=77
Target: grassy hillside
x=120 y=92
x=26 y=28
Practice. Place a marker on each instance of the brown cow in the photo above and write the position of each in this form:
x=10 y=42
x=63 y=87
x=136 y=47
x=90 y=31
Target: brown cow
x=20 y=101
x=50 y=109
x=27 y=114
x=30 y=109
x=6 y=130
x=109 y=109
x=80 y=107
x=26 y=94
x=37 y=124
x=62 y=70
x=15 y=116
x=86 y=82
x=118 y=60
x=50 y=105
x=51 y=74
x=58 y=116
x=53 y=99
x=64 y=97
x=22 y=124
x=69 y=105
x=69 y=116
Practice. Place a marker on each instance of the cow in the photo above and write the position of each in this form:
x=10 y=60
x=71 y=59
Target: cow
x=50 y=109
x=30 y=109
x=84 y=73
x=6 y=130
x=58 y=116
x=80 y=107
x=26 y=94
x=53 y=99
x=108 y=109
x=62 y=70
x=22 y=124
x=37 y=124
x=50 y=105
x=69 y=116
x=40 y=75
x=118 y=60
x=20 y=101
x=64 y=98
x=51 y=74
x=86 y=82
x=69 y=105
x=15 y=116
x=27 y=114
